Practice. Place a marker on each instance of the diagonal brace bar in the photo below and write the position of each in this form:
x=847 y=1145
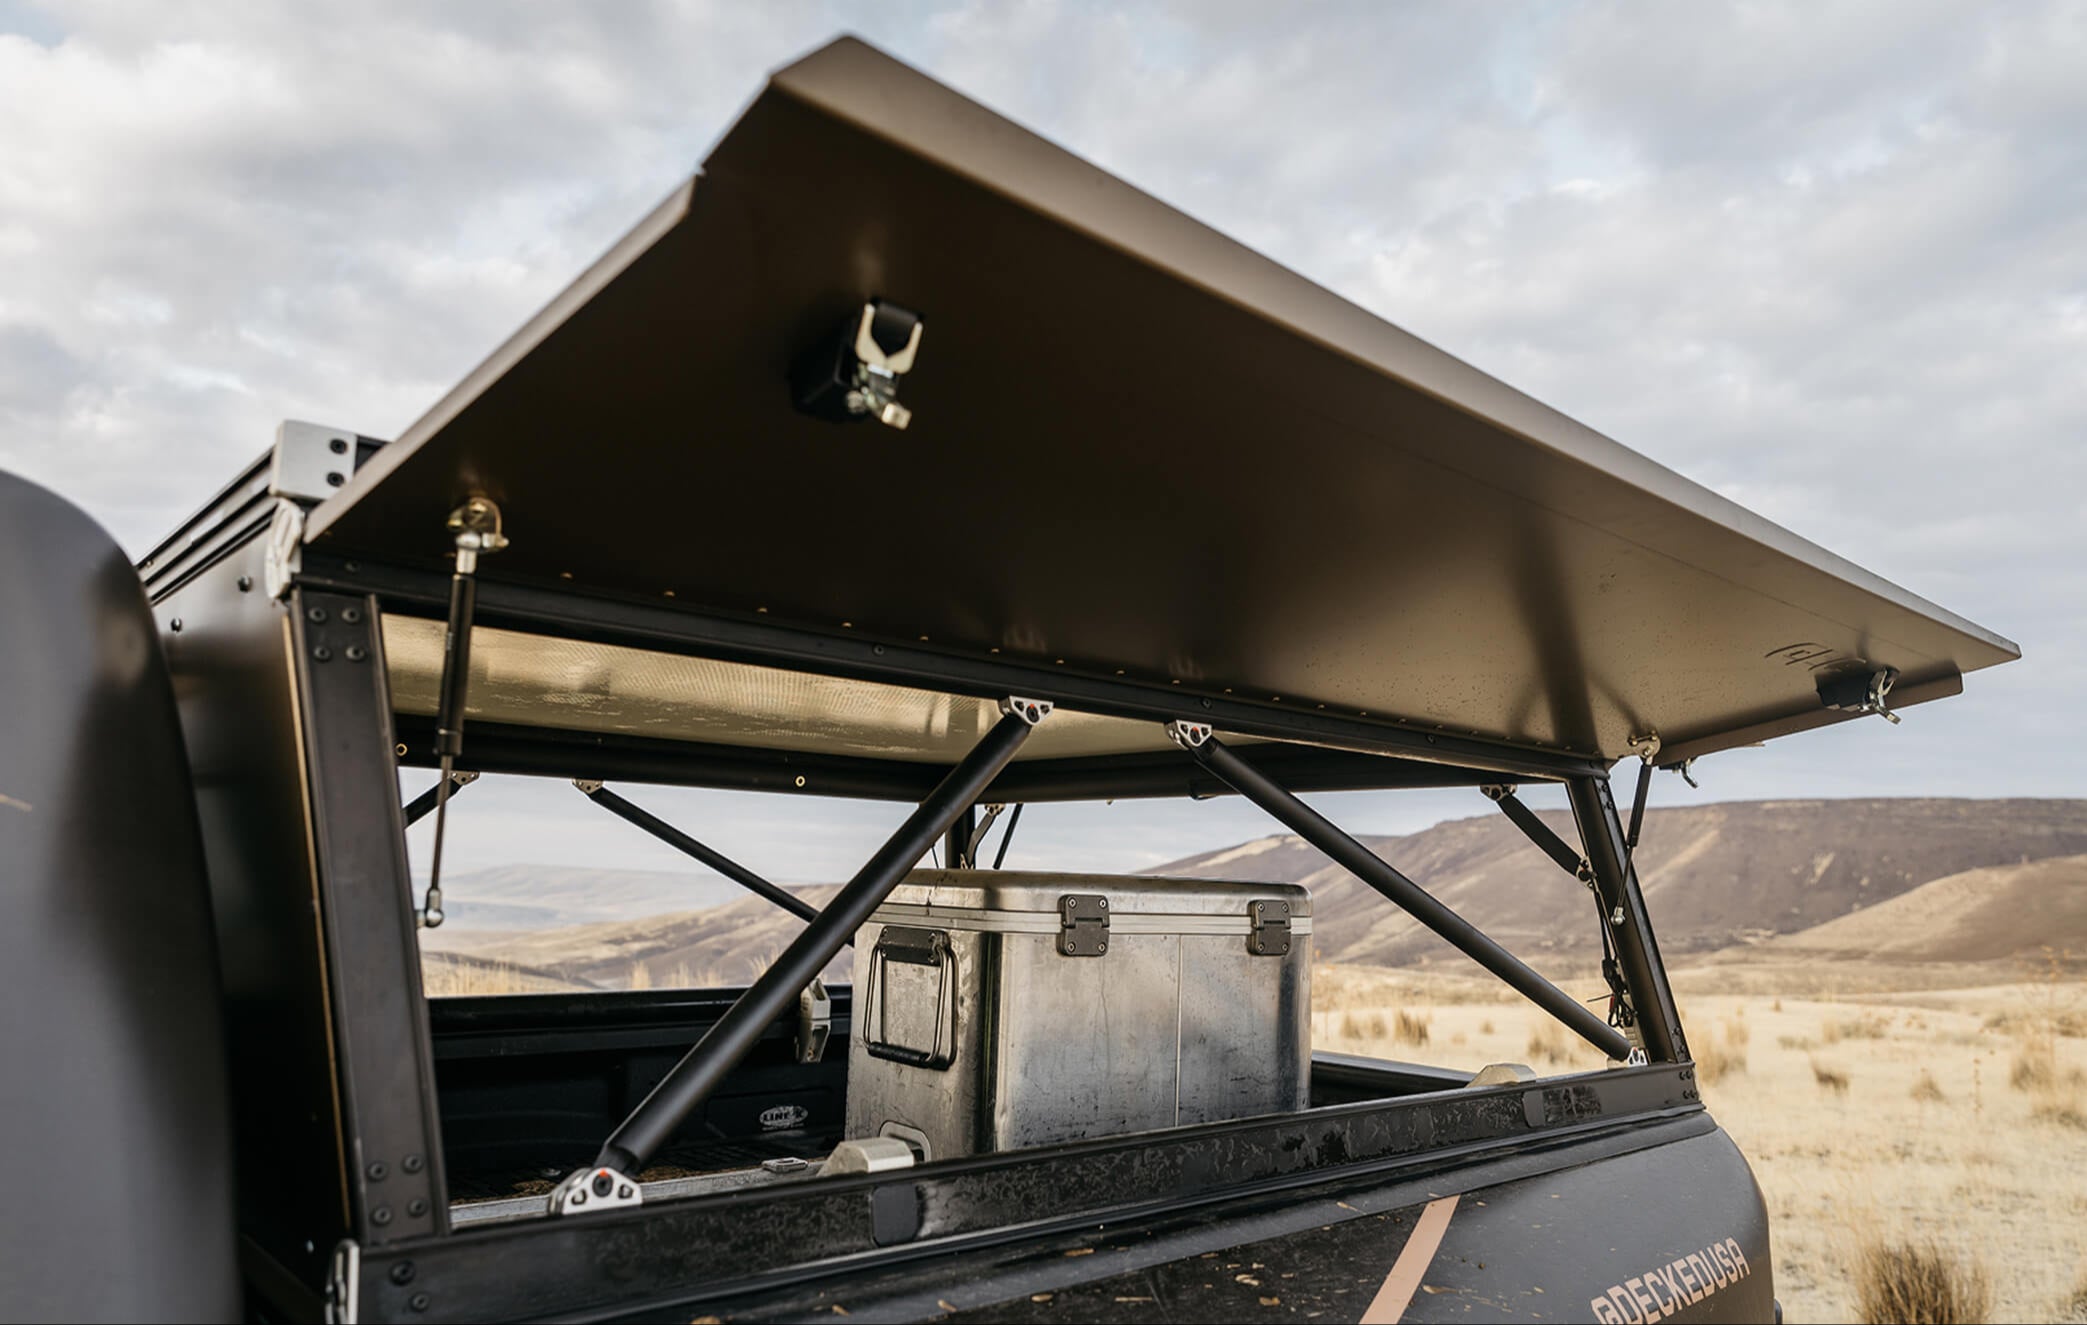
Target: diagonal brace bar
x=417 y=808
x=1409 y=896
x=720 y=1050
x=689 y=846
x=1539 y=832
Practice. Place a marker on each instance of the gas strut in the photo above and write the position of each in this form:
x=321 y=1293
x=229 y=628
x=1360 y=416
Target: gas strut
x=476 y=527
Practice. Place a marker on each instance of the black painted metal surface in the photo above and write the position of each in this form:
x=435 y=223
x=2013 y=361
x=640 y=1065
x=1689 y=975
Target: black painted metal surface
x=982 y=1227
x=1204 y=469
x=554 y=752
x=380 y=1036
x=113 y=1093
x=625 y=619
x=232 y=675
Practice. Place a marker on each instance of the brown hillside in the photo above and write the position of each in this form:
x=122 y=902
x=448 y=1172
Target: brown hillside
x=723 y=945
x=1714 y=875
x=1987 y=914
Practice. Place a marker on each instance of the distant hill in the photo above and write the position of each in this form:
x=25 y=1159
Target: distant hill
x=722 y=945
x=511 y=897
x=2002 y=911
x=1964 y=880
x=1714 y=876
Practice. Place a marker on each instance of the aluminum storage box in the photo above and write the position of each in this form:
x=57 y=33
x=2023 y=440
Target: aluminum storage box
x=996 y=1010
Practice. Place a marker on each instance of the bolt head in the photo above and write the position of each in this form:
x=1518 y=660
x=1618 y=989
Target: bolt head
x=402 y=1273
x=603 y=1184
x=381 y=1216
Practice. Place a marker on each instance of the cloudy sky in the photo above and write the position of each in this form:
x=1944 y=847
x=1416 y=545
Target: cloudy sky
x=1830 y=260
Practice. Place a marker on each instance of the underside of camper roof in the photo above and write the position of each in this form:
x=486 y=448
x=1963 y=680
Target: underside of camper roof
x=1137 y=451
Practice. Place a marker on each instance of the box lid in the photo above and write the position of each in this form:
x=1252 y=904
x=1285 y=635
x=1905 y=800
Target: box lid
x=1011 y=901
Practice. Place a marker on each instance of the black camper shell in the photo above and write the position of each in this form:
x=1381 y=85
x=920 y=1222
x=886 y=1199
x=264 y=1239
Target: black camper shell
x=1136 y=513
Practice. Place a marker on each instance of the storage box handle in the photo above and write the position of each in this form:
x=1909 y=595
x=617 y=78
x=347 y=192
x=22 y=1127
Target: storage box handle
x=913 y=947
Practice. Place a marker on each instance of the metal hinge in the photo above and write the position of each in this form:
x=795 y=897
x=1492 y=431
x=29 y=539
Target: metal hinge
x=814 y=1021
x=343 y=1283
x=1269 y=932
x=1188 y=735
x=283 y=555
x=312 y=461
x=1083 y=925
x=595 y=1189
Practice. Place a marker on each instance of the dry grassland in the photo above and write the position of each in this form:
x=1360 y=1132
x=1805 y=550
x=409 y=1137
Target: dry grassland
x=1890 y=1132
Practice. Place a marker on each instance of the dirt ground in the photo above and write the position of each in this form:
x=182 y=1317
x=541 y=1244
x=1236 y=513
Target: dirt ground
x=1952 y=1115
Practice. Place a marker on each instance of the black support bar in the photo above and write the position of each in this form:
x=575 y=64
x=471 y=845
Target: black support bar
x=1409 y=896
x=1537 y=831
x=1637 y=805
x=417 y=808
x=1007 y=835
x=612 y=619
x=720 y=1050
x=689 y=846
x=1623 y=911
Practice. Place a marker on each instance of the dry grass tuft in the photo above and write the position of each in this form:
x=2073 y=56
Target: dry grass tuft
x=1830 y=1078
x=2066 y=1022
x=1549 y=1043
x=1485 y=1027
x=450 y=977
x=1718 y=1055
x=2063 y=1108
x=1736 y=1033
x=1801 y=1043
x=1370 y=1027
x=1410 y=1029
x=2035 y=1065
x=1919 y=1285
x=1866 y=1027
x=1927 y=1091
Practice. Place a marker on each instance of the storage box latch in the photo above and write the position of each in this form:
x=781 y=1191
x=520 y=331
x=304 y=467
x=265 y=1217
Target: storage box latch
x=1083 y=925
x=814 y=1021
x=1268 y=928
